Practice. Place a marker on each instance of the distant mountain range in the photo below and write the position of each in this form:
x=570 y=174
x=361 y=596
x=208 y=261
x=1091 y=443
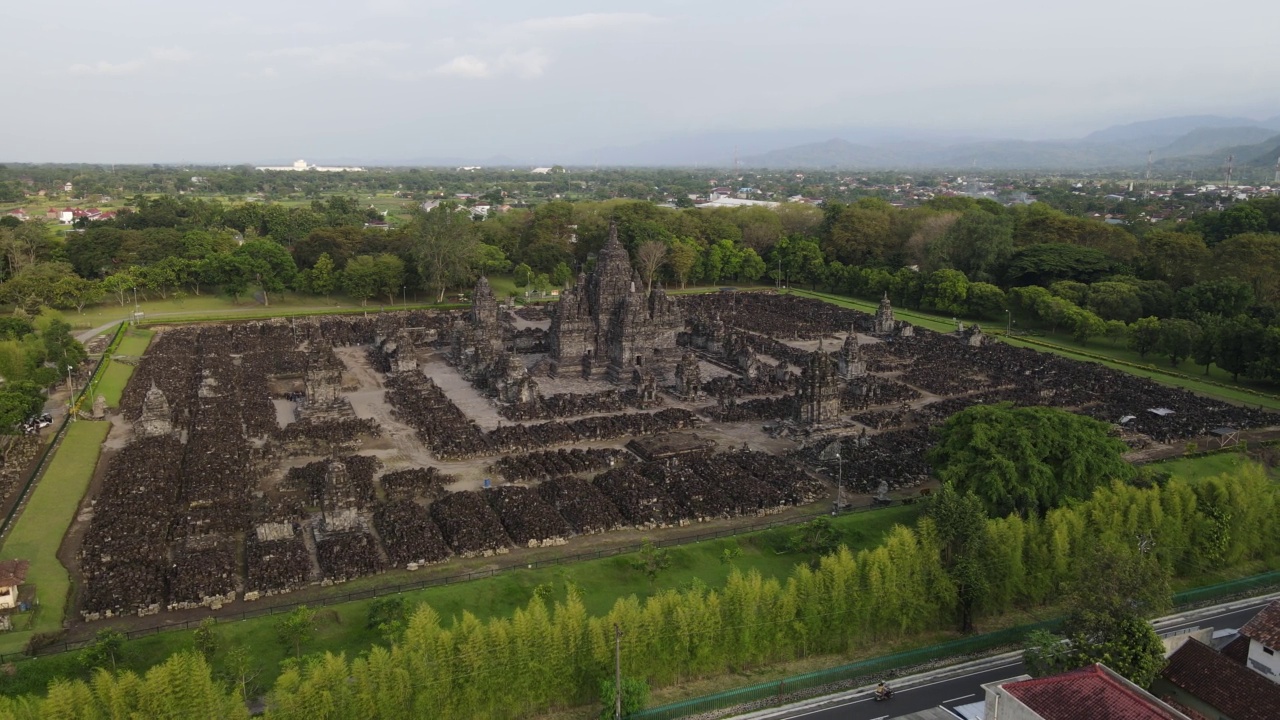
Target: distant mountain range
x=1176 y=143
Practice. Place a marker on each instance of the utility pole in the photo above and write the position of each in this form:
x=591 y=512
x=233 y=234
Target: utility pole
x=839 y=481
x=617 y=672
x=1231 y=159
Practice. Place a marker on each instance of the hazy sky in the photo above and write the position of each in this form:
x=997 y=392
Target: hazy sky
x=233 y=81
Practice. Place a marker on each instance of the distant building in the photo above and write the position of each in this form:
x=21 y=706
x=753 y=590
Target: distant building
x=540 y=171
x=302 y=166
x=718 y=202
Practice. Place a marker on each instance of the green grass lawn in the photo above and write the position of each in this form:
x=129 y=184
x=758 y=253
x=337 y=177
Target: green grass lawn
x=1207 y=466
x=1188 y=377
x=39 y=529
x=117 y=374
x=342 y=628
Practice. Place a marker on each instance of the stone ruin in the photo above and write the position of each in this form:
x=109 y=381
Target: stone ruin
x=157 y=418
x=850 y=362
x=607 y=325
x=645 y=385
x=512 y=381
x=322 y=381
x=99 y=407
x=884 y=322
x=688 y=377
x=819 y=394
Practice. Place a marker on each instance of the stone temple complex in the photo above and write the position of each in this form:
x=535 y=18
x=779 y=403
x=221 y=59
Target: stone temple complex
x=607 y=325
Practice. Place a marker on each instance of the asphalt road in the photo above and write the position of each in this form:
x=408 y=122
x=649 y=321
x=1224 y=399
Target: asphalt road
x=965 y=689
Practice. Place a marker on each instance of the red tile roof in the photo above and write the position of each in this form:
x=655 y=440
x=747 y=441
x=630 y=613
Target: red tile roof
x=1231 y=689
x=1265 y=626
x=1237 y=650
x=13 y=572
x=1090 y=693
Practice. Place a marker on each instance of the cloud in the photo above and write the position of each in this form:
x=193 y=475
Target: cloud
x=159 y=56
x=584 y=22
x=102 y=67
x=526 y=64
x=466 y=66
x=172 y=54
x=358 y=54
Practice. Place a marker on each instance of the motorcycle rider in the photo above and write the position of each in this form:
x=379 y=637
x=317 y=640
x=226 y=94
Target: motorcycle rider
x=882 y=691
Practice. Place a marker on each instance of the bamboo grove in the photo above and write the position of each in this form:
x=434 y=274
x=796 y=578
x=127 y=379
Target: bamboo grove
x=551 y=655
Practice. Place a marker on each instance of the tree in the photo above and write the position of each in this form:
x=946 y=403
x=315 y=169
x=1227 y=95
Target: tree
x=324 y=276
x=296 y=629
x=985 y=300
x=1026 y=460
x=957 y=524
x=682 y=258
x=1253 y=258
x=651 y=560
x=268 y=264
x=946 y=291
x=491 y=260
x=752 y=266
x=1177 y=339
x=119 y=284
x=1238 y=343
x=649 y=258
x=390 y=275
x=1113 y=593
x=362 y=277
x=1177 y=258
x=977 y=244
x=635 y=695
x=1044 y=264
x=445 y=245
x=1227 y=297
x=562 y=275
x=76 y=292
x=1115 y=301
x=206 y=638
x=1144 y=336
x=522 y=275
x=104 y=650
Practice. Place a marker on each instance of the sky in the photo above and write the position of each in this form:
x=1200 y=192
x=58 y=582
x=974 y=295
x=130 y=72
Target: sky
x=548 y=81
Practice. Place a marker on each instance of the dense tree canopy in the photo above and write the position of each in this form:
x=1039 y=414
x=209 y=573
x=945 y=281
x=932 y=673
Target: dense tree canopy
x=1026 y=460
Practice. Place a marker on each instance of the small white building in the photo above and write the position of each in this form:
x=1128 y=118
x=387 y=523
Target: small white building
x=1263 y=632
x=12 y=574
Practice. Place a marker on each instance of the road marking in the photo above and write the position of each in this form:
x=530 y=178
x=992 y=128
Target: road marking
x=962 y=697
x=868 y=697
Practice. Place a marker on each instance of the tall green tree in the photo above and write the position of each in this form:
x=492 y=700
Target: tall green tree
x=445 y=245
x=1026 y=460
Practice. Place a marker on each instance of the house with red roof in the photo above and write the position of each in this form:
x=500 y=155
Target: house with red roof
x=1094 y=692
x=1263 y=632
x=1211 y=685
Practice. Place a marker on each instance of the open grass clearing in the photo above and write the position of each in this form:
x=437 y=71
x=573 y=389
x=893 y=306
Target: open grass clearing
x=1208 y=466
x=116 y=376
x=39 y=529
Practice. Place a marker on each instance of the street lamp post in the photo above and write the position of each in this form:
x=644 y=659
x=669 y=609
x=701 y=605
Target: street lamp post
x=839 y=483
x=1008 y=327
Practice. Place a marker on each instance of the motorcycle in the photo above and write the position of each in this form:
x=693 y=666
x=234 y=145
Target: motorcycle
x=884 y=695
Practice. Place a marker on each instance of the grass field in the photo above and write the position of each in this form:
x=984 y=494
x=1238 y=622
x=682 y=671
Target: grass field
x=342 y=628
x=117 y=374
x=1199 y=468
x=1190 y=378
x=39 y=529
